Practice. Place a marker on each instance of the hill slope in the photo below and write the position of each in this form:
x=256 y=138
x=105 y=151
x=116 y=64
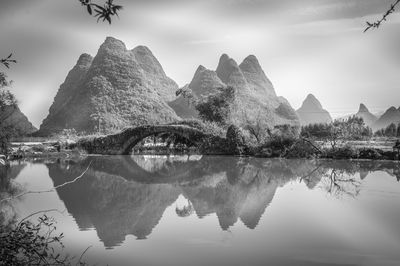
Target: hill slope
x=366 y=115
x=115 y=89
x=12 y=117
x=392 y=115
x=255 y=96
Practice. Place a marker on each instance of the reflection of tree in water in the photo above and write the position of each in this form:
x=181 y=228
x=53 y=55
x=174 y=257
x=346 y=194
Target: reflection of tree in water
x=118 y=197
x=185 y=211
x=339 y=183
x=8 y=188
x=114 y=206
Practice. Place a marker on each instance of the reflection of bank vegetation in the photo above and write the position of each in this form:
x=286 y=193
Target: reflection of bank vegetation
x=28 y=241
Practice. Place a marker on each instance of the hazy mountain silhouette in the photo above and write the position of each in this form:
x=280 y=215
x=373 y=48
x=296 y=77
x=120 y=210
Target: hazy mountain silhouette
x=392 y=115
x=312 y=112
x=366 y=115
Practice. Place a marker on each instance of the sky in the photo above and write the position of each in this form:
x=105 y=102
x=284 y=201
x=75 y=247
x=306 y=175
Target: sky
x=304 y=46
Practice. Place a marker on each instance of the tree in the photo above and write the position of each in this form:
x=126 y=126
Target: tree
x=7 y=102
x=378 y=23
x=398 y=131
x=391 y=130
x=216 y=107
x=187 y=93
x=352 y=128
x=256 y=126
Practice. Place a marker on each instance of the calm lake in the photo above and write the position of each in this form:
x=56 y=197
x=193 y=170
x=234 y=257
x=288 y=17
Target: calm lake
x=205 y=210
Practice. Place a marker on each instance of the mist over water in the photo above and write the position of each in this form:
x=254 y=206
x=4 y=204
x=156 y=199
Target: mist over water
x=203 y=210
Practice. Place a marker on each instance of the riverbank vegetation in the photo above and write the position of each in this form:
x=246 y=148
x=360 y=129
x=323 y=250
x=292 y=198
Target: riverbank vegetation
x=33 y=239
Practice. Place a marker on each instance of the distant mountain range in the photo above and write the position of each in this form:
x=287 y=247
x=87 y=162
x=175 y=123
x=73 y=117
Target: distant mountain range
x=312 y=112
x=119 y=88
x=392 y=115
x=379 y=120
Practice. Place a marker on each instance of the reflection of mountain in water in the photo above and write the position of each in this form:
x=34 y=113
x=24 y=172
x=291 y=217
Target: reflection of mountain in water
x=118 y=197
x=114 y=206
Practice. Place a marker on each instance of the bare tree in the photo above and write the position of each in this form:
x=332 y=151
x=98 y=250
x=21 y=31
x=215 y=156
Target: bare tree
x=338 y=183
x=257 y=126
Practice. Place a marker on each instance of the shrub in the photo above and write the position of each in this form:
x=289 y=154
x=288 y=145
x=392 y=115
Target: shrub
x=28 y=243
x=345 y=152
x=216 y=107
x=277 y=145
x=302 y=149
x=373 y=154
x=205 y=126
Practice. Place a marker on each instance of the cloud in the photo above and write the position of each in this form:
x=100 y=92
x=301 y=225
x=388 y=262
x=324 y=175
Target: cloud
x=303 y=46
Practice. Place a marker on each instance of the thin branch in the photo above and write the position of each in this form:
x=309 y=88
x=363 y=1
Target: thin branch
x=50 y=190
x=35 y=213
x=7 y=61
x=83 y=253
x=309 y=174
x=379 y=22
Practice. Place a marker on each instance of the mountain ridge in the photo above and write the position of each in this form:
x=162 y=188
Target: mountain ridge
x=253 y=91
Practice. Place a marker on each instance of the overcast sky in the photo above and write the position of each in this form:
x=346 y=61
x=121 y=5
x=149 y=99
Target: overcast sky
x=304 y=46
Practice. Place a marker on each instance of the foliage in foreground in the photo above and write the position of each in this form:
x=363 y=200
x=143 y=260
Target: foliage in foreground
x=7 y=101
x=28 y=243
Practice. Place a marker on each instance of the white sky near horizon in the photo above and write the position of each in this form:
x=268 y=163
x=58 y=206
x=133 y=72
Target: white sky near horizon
x=304 y=46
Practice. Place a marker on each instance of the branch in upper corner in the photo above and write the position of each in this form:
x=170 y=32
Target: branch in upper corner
x=378 y=23
x=7 y=61
x=105 y=12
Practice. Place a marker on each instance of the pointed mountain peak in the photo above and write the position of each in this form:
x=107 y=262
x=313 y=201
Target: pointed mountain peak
x=147 y=61
x=225 y=67
x=205 y=81
x=363 y=109
x=113 y=44
x=201 y=68
x=226 y=62
x=311 y=112
x=391 y=109
x=142 y=50
x=251 y=64
x=84 y=60
x=224 y=57
x=311 y=102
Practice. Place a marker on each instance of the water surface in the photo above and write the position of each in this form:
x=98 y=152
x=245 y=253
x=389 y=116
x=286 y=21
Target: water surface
x=203 y=210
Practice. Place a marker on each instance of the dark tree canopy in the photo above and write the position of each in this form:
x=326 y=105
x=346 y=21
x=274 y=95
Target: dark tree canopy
x=216 y=107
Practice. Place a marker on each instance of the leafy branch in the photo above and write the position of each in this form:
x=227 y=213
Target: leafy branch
x=378 y=23
x=104 y=12
x=7 y=61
